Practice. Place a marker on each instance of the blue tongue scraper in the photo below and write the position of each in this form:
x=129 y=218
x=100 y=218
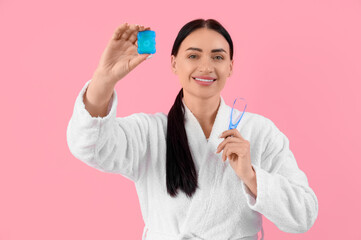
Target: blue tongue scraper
x=234 y=125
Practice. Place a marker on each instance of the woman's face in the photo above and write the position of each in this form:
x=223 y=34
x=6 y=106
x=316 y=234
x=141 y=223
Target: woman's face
x=203 y=53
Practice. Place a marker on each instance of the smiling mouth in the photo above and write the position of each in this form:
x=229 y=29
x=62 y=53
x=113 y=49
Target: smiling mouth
x=204 y=80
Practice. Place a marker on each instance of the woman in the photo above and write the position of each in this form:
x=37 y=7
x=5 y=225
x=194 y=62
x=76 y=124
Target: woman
x=193 y=180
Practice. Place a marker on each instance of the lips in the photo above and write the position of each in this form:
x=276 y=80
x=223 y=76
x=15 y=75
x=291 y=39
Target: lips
x=204 y=82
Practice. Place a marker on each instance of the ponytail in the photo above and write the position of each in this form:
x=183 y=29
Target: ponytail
x=180 y=169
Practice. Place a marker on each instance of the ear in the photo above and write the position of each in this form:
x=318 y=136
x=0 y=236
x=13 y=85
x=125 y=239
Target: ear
x=173 y=64
x=231 y=68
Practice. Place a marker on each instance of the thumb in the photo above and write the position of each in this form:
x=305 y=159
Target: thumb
x=138 y=59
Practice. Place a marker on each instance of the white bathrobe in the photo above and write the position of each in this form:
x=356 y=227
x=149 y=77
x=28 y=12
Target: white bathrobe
x=223 y=207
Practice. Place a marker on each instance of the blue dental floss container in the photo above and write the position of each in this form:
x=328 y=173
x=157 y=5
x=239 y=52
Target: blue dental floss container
x=146 y=42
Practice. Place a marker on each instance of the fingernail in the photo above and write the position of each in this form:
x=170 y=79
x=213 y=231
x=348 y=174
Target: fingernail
x=150 y=56
x=220 y=135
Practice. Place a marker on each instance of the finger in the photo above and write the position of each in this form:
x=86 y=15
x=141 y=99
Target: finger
x=227 y=141
x=145 y=28
x=231 y=149
x=126 y=33
x=231 y=132
x=224 y=154
x=133 y=35
x=227 y=133
x=238 y=134
x=137 y=60
x=224 y=142
x=119 y=31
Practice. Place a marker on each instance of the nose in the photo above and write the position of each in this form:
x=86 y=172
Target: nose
x=206 y=65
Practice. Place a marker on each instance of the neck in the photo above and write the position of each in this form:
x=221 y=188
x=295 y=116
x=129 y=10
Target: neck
x=204 y=109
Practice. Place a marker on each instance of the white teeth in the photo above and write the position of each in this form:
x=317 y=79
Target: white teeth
x=204 y=80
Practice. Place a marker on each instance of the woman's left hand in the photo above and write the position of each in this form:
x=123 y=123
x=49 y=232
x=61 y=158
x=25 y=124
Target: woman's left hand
x=237 y=150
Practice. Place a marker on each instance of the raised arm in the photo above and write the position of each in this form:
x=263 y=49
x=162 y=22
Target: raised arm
x=110 y=144
x=94 y=134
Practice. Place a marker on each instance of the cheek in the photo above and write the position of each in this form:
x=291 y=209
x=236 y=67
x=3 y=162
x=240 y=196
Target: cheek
x=224 y=69
x=183 y=67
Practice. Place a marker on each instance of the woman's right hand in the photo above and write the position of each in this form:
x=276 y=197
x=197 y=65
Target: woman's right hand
x=120 y=55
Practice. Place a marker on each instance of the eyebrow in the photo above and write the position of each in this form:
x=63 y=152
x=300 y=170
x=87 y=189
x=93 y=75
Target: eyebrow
x=213 y=50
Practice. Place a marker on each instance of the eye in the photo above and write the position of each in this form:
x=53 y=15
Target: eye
x=190 y=56
x=220 y=57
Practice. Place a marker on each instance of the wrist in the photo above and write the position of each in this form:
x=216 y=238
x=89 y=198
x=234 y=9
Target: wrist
x=99 y=93
x=250 y=175
x=102 y=77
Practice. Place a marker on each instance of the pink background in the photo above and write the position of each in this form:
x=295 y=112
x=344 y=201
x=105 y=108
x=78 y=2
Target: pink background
x=296 y=62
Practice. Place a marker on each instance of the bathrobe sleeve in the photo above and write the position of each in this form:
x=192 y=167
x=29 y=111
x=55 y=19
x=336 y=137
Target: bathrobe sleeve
x=109 y=144
x=283 y=194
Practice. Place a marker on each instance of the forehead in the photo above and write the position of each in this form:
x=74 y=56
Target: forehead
x=205 y=39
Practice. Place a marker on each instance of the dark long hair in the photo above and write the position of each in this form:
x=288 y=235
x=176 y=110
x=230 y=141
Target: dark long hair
x=180 y=170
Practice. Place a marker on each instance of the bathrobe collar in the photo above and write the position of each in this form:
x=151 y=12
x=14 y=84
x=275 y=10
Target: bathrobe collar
x=220 y=124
